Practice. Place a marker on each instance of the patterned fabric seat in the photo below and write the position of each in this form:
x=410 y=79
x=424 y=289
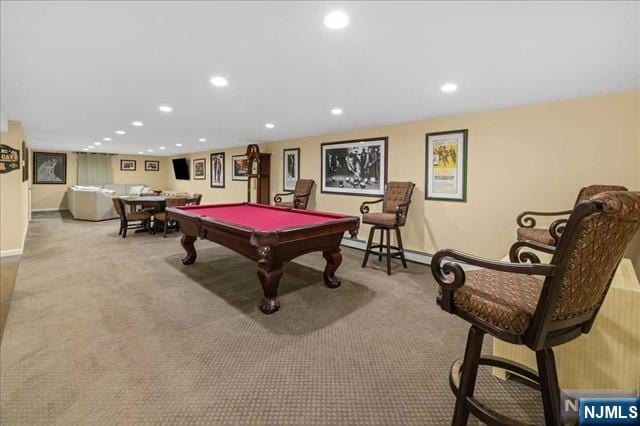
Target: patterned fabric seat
x=539 y=235
x=286 y=204
x=387 y=220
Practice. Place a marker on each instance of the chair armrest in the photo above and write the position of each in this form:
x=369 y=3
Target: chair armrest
x=364 y=207
x=278 y=197
x=400 y=208
x=442 y=272
x=525 y=219
x=557 y=228
x=517 y=255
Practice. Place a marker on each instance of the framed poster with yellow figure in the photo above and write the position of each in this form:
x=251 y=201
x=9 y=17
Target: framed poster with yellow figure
x=446 y=165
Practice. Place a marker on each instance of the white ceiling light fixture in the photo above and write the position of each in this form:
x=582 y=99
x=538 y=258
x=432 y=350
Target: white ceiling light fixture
x=140 y=152
x=106 y=139
x=163 y=148
x=219 y=81
x=85 y=149
x=269 y=125
x=449 y=87
x=137 y=123
x=178 y=144
x=165 y=108
x=149 y=150
x=91 y=147
x=97 y=143
x=336 y=20
x=336 y=111
x=202 y=140
x=120 y=132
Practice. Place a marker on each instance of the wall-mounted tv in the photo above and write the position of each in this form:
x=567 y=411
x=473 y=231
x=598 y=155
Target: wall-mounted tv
x=181 y=168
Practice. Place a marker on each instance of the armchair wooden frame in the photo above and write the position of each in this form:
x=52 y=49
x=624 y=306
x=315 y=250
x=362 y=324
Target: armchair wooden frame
x=300 y=199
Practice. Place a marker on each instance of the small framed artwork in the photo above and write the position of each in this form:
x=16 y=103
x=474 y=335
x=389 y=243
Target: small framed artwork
x=239 y=167
x=217 y=170
x=291 y=168
x=49 y=168
x=128 y=165
x=151 y=166
x=446 y=166
x=200 y=169
x=357 y=167
x=25 y=162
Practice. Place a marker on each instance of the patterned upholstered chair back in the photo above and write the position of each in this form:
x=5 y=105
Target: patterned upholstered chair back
x=302 y=192
x=118 y=204
x=395 y=194
x=597 y=235
x=589 y=191
x=176 y=201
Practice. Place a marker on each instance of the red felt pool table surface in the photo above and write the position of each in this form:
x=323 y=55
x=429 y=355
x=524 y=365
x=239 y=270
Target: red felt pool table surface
x=261 y=217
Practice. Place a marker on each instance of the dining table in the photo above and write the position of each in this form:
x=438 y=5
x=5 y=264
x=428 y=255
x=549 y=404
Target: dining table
x=155 y=203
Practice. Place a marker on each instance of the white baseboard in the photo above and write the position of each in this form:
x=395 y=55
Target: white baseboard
x=17 y=252
x=46 y=210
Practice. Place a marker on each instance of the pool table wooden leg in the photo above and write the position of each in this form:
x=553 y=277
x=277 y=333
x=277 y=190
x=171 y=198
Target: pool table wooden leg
x=334 y=259
x=269 y=276
x=187 y=244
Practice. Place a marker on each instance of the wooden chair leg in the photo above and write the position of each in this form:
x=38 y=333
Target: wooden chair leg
x=164 y=234
x=388 y=251
x=369 y=241
x=468 y=376
x=400 y=247
x=381 y=244
x=549 y=386
x=125 y=225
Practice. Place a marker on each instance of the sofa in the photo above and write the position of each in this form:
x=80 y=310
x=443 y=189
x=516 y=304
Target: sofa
x=95 y=202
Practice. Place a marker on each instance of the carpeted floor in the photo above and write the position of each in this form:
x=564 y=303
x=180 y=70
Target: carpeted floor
x=106 y=330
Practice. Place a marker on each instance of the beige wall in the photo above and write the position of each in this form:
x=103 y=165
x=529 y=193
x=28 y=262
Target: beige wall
x=532 y=157
x=14 y=197
x=53 y=196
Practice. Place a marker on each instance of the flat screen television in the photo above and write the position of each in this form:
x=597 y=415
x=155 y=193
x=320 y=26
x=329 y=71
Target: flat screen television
x=181 y=168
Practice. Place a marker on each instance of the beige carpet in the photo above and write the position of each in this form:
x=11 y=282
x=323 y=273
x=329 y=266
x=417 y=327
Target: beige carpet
x=105 y=330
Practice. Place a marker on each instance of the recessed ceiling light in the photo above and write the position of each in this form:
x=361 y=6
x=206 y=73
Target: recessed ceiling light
x=106 y=139
x=165 y=108
x=91 y=147
x=85 y=149
x=219 y=81
x=449 y=87
x=149 y=150
x=269 y=125
x=162 y=147
x=178 y=144
x=137 y=123
x=336 y=111
x=140 y=152
x=336 y=20
x=97 y=143
x=120 y=132
x=202 y=140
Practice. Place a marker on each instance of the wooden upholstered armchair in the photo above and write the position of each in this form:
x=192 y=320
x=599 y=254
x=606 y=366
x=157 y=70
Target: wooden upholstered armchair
x=195 y=200
x=534 y=304
x=395 y=208
x=163 y=217
x=527 y=223
x=130 y=220
x=301 y=195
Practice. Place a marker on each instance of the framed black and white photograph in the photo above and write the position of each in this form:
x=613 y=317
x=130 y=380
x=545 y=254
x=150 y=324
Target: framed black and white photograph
x=357 y=167
x=239 y=167
x=446 y=166
x=290 y=168
x=128 y=165
x=152 y=165
x=49 y=168
x=25 y=162
x=217 y=170
x=200 y=169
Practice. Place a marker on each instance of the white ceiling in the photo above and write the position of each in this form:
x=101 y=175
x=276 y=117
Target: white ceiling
x=74 y=72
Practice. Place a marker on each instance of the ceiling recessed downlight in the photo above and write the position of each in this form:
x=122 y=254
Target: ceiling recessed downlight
x=140 y=152
x=106 y=139
x=162 y=147
x=137 y=123
x=97 y=143
x=449 y=87
x=165 y=108
x=91 y=147
x=149 y=150
x=269 y=125
x=202 y=140
x=120 y=132
x=219 y=81
x=336 y=20
x=85 y=149
x=336 y=111
x=178 y=144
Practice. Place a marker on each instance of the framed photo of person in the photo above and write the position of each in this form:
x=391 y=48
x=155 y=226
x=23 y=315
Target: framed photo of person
x=357 y=167
x=200 y=169
x=128 y=165
x=49 y=168
x=446 y=166
x=239 y=167
x=290 y=168
x=217 y=170
x=152 y=166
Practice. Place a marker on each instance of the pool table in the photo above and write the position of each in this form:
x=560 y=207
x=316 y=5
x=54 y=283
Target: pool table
x=268 y=235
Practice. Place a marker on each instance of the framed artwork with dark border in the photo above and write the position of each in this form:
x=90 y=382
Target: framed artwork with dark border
x=446 y=166
x=356 y=167
x=25 y=162
x=199 y=169
x=128 y=165
x=290 y=168
x=217 y=170
x=151 y=166
x=239 y=167
x=49 y=168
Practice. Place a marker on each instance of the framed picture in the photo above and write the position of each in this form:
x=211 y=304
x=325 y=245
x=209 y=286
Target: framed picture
x=240 y=167
x=49 y=168
x=200 y=169
x=25 y=162
x=9 y=159
x=151 y=166
x=217 y=170
x=357 y=167
x=128 y=165
x=290 y=168
x=446 y=166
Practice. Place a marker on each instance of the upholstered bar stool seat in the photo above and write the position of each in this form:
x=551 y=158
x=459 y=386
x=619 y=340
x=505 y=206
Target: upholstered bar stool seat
x=387 y=220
